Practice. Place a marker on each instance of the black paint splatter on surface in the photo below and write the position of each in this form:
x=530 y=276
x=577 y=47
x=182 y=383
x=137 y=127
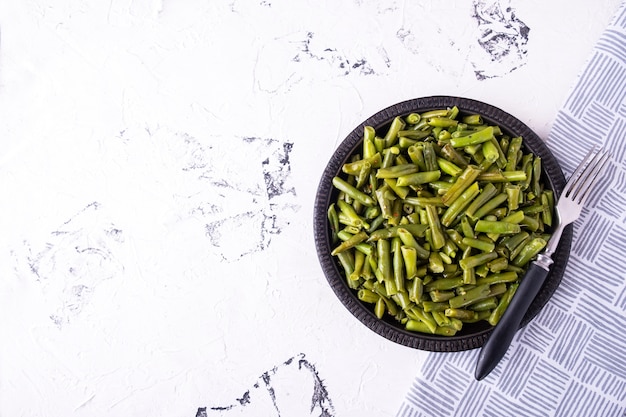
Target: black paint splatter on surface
x=503 y=39
x=271 y=394
x=335 y=58
x=239 y=189
x=75 y=259
x=276 y=174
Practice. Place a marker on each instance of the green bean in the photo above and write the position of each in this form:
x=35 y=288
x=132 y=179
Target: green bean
x=497 y=312
x=350 y=243
x=409 y=240
x=435 y=262
x=497 y=278
x=417 y=230
x=424 y=317
x=368 y=296
x=498 y=227
x=490 y=150
x=423 y=201
x=416 y=288
x=473 y=138
x=487 y=304
x=419 y=178
x=459 y=204
x=488 y=192
x=466 y=227
x=461 y=314
x=441 y=319
x=333 y=220
x=473 y=119
x=366 y=270
x=440 y=295
x=480 y=244
x=547 y=200
x=435 y=113
x=472 y=296
x=438 y=238
x=390 y=287
x=380 y=308
x=346 y=258
x=503 y=176
x=355 y=167
x=422 y=327
x=398 y=263
x=488 y=206
x=536 y=179
x=513 y=196
x=442 y=122
x=530 y=250
x=527 y=169
x=477 y=260
x=514 y=217
x=449 y=167
x=469 y=276
x=383 y=255
x=444 y=284
x=353 y=192
x=409 y=260
x=349 y=211
x=416 y=154
x=414 y=134
x=514 y=146
x=402 y=299
x=454 y=156
x=498 y=264
x=412 y=118
x=397 y=171
x=464 y=180
x=392 y=133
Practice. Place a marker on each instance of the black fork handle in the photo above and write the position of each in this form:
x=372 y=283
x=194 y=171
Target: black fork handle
x=498 y=343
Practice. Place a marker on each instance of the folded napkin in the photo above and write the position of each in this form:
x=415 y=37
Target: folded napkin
x=571 y=359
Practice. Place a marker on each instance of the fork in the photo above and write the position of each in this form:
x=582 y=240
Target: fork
x=568 y=208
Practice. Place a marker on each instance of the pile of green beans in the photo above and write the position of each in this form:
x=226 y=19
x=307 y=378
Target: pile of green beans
x=437 y=218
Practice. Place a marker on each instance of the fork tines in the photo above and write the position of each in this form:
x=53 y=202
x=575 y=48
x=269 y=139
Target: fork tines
x=586 y=175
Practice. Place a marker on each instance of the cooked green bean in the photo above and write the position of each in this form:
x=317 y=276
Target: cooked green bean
x=454 y=210
x=473 y=138
x=436 y=219
x=480 y=244
x=529 y=251
x=499 y=227
x=505 y=300
x=409 y=240
x=397 y=171
x=419 y=178
x=392 y=133
x=473 y=295
x=465 y=180
x=350 y=190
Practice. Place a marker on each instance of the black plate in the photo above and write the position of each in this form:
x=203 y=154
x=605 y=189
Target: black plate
x=472 y=335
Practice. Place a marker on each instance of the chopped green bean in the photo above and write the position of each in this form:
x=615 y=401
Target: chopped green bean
x=473 y=138
x=344 y=186
x=499 y=227
x=464 y=180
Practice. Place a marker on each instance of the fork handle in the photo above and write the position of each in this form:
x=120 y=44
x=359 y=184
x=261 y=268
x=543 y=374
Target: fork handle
x=498 y=343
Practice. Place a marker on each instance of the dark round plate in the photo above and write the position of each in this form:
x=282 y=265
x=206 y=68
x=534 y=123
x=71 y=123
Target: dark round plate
x=472 y=335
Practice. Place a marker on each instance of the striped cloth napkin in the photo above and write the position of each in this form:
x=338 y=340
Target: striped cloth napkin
x=571 y=359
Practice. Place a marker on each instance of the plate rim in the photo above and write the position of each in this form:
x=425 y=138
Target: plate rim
x=349 y=144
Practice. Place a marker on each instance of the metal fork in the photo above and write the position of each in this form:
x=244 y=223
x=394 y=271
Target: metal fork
x=568 y=208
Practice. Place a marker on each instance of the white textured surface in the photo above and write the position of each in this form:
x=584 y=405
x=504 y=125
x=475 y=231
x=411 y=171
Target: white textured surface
x=158 y=165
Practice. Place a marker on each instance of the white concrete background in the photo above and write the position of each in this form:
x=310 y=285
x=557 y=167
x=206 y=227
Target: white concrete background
x=145 y=269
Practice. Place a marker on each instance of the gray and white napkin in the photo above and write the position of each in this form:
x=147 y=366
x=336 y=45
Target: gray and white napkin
x=571 y=359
